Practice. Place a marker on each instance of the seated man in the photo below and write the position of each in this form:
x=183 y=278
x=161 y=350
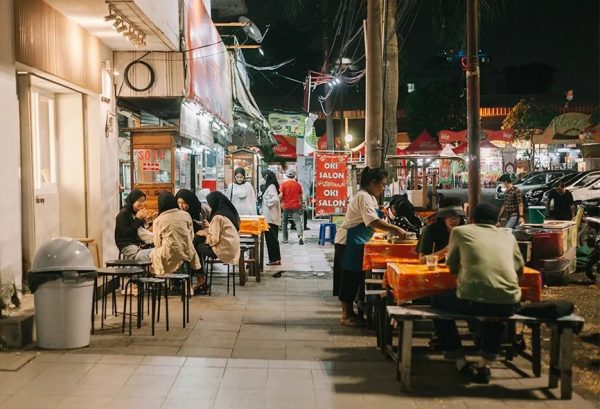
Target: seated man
x=487 y=260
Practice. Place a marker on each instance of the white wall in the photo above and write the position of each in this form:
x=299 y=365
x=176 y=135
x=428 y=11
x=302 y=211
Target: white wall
x=10 y=186
x=103 y=168
x=165 y=15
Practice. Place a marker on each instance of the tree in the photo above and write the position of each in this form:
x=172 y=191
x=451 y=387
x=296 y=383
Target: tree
x=435 y=107
x=528 y=118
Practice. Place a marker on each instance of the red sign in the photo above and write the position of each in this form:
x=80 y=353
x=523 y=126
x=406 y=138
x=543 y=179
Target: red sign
x=506 y=135
x=452 y=136
x=209 y=65
x=150 y=166
x=331 y=183
x=286 y=146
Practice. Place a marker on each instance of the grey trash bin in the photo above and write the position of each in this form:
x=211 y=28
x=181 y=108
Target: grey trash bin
x=62 y=281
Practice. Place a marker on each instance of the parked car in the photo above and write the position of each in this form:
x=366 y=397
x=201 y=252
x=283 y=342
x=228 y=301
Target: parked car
x=534 y=196
x=583 y=179
x=535 y=181
x=590 y=191
x=591 y=207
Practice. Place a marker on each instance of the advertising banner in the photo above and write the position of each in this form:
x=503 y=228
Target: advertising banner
x=286 y=146
x=331 y=183
x=209 y=64
x=288 y=124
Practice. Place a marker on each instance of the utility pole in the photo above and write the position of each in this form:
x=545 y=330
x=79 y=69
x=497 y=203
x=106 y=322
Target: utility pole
x=325 y=70
x=473 y=120
x=374 y=91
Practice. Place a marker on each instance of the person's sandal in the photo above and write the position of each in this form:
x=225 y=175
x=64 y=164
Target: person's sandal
x=274 y=263
x=351 y=322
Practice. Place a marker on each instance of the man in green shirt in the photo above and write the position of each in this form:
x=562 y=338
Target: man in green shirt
x=487 y=261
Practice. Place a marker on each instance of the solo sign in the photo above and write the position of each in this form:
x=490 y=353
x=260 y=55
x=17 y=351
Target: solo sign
x=331 y=183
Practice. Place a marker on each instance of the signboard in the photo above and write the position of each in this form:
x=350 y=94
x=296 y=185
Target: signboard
x=209 y=63
x=331 y=183
x=286 y=146
x=150 y=166
x=288 y=124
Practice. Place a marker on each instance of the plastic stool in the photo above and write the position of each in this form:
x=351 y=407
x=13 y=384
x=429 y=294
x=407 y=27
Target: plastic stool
x=327 y=233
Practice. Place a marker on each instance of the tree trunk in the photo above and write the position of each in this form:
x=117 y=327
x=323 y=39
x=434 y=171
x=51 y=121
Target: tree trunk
x=374 y=120
x=390 y=124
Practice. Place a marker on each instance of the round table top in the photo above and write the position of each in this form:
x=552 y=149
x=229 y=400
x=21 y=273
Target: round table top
x=112 y=263
x=132 y=270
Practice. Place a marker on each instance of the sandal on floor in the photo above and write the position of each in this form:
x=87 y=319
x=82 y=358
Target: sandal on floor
x=274 y=263
x=201 y=289
x=352 y=322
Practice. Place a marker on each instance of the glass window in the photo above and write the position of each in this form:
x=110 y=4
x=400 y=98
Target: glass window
x=44 y=141
x=535 y=180
x=152 y=165
x=585 y=180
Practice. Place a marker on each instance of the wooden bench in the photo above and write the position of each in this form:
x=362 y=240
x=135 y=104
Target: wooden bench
x=561 y=342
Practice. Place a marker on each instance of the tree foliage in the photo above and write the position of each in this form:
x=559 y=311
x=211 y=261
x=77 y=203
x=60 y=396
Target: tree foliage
x=435 y=107
x=528 y=118
x=595 y=116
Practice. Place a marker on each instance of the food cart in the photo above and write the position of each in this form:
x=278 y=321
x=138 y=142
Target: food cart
x=162 y=161
x=249 y=160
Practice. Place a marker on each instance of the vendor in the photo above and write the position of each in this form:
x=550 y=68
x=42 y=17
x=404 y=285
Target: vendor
x=435 y=238
x=362 y=217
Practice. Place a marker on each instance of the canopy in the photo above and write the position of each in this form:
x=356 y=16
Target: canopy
x=423 y=145
x=462 y=148
x=569 y=128
x=358 y=152
x=504 y=135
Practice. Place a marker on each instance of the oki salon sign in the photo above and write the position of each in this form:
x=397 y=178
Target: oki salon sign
x=331 y=183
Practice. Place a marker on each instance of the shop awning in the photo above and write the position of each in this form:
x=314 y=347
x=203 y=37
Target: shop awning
x=504 y=135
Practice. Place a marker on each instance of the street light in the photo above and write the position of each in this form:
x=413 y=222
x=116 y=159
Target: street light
x=348 y=139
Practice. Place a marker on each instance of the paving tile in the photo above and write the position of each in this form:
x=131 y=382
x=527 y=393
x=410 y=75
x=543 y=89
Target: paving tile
x=87 y=402
x=247 y=363
x=289 y=364
x=205 y=362
x=245 y=378
x=287 y=378
x=200 y=377
x=258 y=353
x=290 y=398
x=186 y=403
x=234 y=398
x=29 y=401
x=163 y=361
x=199 y=394
x=140 y=402
x=108 y=375
x=208 y=352
x=121 y=359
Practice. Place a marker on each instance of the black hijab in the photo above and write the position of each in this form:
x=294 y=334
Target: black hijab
x=132 y=198
x=192 y=201
x=166 y=201
x=221 y=205
x=270 y=179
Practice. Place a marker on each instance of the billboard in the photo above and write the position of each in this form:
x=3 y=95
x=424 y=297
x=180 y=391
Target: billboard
x=331 y=183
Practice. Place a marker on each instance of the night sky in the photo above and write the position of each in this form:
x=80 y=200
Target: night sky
x=562 y=36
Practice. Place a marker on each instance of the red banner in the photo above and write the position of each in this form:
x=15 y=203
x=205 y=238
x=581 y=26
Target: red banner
x=452 y=136
x=286 y=146
x=506 y=135
x=331 y=183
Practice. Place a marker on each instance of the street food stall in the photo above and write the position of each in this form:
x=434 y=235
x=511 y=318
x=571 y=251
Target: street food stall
x=249 y=160
x=162 y=160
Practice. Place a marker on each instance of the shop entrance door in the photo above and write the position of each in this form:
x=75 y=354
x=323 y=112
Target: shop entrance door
x=53 y=187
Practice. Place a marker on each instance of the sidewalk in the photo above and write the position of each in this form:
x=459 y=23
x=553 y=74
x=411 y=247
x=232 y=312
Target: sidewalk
x=277 y=344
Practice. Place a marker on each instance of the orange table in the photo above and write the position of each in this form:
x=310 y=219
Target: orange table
x=412 y=281
x=254 y=225
x=379 y=252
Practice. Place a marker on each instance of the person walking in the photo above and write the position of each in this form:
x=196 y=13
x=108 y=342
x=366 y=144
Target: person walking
x=361 y=219
x=512 y=207
x=564 y=208
x=272 y=212
x=242 y=194
x=291 y=201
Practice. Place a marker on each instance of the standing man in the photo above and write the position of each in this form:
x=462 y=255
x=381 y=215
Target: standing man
x=291 y=203
x=512 y=207
x=564 y=208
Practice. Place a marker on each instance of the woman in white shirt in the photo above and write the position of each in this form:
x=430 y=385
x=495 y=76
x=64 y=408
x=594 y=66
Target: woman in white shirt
x=361 y=219
x=242 y=194
x=272 y=211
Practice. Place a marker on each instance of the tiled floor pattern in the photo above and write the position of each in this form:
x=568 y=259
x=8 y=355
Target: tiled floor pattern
x=277 y=344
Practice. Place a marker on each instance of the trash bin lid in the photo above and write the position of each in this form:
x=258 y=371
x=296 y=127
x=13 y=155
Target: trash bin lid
x=62 y=254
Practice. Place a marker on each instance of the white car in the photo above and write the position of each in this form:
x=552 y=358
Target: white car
x=588 y=192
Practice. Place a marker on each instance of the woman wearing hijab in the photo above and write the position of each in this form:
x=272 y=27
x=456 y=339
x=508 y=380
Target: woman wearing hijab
x=173 y=237
x=241 y=194
x=272 y=212
x=188 y=202
x=222 y=238
x=130 y=219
